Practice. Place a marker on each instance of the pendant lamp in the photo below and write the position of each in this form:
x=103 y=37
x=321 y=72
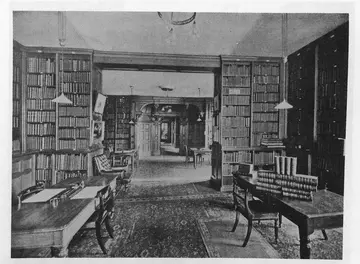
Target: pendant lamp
x=284 y=19
x=62 y=99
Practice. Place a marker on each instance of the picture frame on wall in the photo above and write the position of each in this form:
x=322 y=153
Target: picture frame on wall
x=100 y=104
x=98 y=131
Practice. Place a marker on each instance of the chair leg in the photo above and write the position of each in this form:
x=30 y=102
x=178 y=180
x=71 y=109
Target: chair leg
x=280 y=220
x=324 y=234
x=276 y=231
x=98 y=237
x=248 y=233
x=109 y=229
x=236 y=221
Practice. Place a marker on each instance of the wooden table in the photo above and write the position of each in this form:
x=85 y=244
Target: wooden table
x=131 y=153
x=38 y=225
x=199 y=152
x=325 y=211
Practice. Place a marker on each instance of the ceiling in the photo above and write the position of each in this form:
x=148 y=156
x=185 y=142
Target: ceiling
x=251 y=34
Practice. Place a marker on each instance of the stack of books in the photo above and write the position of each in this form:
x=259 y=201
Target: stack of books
x=295 y=186
x=271 y=143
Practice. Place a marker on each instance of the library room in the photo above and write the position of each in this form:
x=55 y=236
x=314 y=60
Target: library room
x=179 y=134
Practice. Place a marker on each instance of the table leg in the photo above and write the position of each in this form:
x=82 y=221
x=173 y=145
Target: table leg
x=304 y=242
x=59 y=252
x=194 y=160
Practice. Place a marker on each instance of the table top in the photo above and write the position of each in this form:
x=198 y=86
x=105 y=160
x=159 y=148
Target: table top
x=324 y=202
x=199 y=150
x=29 y=217
x=91 y=181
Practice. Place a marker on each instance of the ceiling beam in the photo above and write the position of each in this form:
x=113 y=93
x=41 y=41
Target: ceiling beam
x=156 y=61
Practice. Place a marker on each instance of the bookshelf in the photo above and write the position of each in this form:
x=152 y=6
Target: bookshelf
x=110 y=117
x=330 y=127
x=16 y=100
x=40 y=111
x=122 y=126
x=245 y=96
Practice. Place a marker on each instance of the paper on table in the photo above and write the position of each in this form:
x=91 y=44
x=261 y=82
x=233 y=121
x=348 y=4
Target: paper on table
x=88 y=192
x=43 y=196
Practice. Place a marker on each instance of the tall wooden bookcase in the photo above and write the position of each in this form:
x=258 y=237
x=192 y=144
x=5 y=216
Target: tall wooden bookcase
x=117 y=114
x=58 y=136
x=245 y=95
x=318 y=92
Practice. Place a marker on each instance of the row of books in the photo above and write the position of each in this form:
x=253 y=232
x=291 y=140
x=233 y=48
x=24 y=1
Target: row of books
x=329 y=74
x=16 y=107
x=236 y=121
x=264 y=107
x=15 y=122
x=228 y=169
x=38 y=64
x=41 y=129
x=63 y=175
x=257 y=138
x=236 y=111
x=266 y=69
x=265 y=79
x=41 y=92
x=235 y=132
x=236 y=91
x=125 y=134
x=73 y=143
x=75 y=65
x=266 y=88
x=41 y=79
x=238 y=156
x=74 y=133
x=40 y=104
x=236 y=142
x=237 y=81
x=265 y=127
x=16 y=91
x=70 y=121
x=44 y=175
x=109 y=134
x=121 y=144
x=329 y=89
x=266 y=97
x=265 y=117
x=336 y=129
x=76 y=77
x=285 y=165
x=43 y=161
x=73 y=111
x=16 y=145
x=16 y=74
x=236 y=69
x=236 y=100
x=71 y=162
x=263 y=158
x=79 y=99
x=271 y=142
x=38 y=143
x=330 y=103
x=76 y=88
x=41 y=116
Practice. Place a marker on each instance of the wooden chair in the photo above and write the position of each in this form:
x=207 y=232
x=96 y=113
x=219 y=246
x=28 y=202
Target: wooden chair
x=104 y=212
x=252 y=209
x=24 y=194
x=104 y=168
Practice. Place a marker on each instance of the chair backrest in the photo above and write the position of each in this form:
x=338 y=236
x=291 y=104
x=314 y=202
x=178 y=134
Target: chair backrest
x=24 y=194
x=102 y=163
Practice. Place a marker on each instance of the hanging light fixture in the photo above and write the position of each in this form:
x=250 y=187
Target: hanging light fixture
x=284 y=31
x=170 y=21
x=62 y=99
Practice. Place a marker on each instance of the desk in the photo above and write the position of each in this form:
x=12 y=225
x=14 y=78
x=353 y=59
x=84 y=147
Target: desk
x=199 y=151
x=323 y=212
x=131 y=153
x=38 y=225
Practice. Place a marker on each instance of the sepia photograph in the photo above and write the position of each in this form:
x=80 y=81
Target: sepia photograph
x=164 y=132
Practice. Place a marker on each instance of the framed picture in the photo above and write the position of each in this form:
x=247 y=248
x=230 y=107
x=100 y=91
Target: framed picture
x=98 y=131
x=100 y=103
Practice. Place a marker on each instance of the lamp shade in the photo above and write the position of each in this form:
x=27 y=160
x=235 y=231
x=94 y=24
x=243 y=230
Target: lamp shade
x=284 y=105
x=61 y=99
